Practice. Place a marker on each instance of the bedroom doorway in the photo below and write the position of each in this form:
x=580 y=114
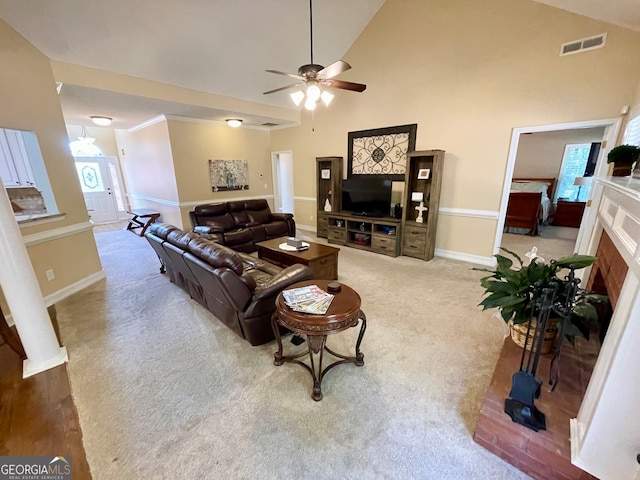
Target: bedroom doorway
x=282 y=173
x=611 y=128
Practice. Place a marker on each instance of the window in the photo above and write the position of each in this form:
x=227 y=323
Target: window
x=574 y=163
x=632 y=132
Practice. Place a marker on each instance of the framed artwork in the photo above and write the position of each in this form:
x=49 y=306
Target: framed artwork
x=424 y=173
x=381 y=151
x=325 y=173
x=229 y=175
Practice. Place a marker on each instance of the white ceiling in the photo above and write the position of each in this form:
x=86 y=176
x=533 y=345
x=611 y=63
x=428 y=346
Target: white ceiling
x=215 y=46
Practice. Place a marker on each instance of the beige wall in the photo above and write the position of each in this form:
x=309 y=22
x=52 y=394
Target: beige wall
x=147 y=167
x=29 y=102
x=467 y=73
x=540 y=154
x=193 y=144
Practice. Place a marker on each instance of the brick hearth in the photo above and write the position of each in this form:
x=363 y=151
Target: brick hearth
x=545 y=454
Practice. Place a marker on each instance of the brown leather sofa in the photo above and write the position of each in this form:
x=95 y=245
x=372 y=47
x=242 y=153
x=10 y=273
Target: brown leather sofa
x=238 y=289
x=240 y=225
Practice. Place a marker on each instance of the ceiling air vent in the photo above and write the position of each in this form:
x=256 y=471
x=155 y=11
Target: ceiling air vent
x=583 y=44
x=269 y=124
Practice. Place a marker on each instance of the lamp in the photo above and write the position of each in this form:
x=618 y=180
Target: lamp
x=85 y=138
x=100 y=120
x=580 y=182
x=312 y=95
x=234 y=122
x=83 y=146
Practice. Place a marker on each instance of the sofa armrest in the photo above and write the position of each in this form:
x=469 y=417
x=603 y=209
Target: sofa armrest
x=288 y=276
x=281 y=216
x=205 y=229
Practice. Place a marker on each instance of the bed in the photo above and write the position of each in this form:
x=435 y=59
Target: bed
x=529 y=205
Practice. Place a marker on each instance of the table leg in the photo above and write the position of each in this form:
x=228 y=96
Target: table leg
x=316 y=344
x=277 y=357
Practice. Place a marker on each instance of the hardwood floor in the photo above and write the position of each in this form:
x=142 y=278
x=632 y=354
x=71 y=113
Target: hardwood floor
x=37 y=414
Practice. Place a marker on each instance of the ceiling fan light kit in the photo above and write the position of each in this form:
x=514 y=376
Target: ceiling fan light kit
x=101 y=120
x=313 y=79
x=234 y=122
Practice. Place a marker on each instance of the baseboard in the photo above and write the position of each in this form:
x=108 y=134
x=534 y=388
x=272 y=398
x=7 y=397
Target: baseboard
x=307 y=228
x=465 y=257
x=67 y=291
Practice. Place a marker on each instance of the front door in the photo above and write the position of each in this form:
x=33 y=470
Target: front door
x=95 y=182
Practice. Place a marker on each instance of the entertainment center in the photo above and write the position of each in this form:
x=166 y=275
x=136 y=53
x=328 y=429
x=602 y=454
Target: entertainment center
x=356 y=212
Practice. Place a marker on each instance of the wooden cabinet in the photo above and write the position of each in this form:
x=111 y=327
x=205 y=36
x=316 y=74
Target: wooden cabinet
x=568 y=214
x=329 y=186
x=379 y=235
x=422 y=182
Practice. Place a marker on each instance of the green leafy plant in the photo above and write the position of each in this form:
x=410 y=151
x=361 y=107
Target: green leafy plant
x=623 y=154
x=512 y=291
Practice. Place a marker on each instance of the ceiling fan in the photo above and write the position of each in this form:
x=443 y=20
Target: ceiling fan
x=313 y=76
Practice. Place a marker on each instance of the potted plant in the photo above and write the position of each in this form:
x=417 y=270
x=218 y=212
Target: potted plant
x=623 y=157
x=512 y=291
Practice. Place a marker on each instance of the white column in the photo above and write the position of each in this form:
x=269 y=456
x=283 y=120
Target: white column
x=23 y=295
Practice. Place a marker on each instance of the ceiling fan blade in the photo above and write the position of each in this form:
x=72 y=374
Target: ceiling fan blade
x=282 y=88
x=354 y=87
x=334 y=69
x=285 y=73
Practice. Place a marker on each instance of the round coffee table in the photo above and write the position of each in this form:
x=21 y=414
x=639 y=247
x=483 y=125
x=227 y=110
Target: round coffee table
x=344 y=312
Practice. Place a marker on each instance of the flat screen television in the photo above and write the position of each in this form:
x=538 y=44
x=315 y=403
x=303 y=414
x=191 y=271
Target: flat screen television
x=367 y=196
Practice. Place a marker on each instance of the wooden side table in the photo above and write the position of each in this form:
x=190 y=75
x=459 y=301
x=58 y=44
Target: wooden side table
x=568 y=213
x=142 y=218
x=344 y=312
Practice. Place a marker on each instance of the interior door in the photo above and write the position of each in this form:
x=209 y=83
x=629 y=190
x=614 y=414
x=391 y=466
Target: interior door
x=95 y=182
x=282 y=165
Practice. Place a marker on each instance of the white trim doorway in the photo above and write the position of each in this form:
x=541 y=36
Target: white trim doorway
x=282 y=174
x=612 y=128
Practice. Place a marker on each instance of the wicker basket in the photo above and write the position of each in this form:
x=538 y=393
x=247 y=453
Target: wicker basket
x=519 y=334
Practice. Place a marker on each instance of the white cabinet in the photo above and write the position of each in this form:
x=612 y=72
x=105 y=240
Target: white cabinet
x=15 y=168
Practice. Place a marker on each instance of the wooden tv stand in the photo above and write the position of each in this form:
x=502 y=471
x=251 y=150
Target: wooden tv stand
x=376 y=234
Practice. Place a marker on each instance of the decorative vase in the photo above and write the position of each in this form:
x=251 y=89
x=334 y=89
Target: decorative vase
x=519 y=334
x=327 y=205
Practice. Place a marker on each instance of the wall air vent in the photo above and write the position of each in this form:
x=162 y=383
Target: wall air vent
x=583 y=45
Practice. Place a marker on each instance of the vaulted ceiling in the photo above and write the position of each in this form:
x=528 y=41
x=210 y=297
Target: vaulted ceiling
x=221 y=47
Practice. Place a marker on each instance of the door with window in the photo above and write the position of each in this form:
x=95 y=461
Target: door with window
x=100 y=185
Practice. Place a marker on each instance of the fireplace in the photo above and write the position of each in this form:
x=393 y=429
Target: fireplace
x=605 y=435
x=593 y=422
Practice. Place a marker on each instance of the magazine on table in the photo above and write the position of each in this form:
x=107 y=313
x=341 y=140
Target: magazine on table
x=309 y=299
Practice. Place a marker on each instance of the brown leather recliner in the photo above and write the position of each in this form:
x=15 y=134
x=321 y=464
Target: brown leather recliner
x=240 y=290
x=240 y=225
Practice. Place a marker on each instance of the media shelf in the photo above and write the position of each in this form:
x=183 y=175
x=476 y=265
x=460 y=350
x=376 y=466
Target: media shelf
x=329 y=187
x=376 y=234
x=423 y=179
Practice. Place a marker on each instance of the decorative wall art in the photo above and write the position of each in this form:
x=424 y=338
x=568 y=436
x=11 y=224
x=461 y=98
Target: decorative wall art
x=381 y=151
x=229 y=175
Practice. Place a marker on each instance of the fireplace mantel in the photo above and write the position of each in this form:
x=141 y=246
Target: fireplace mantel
x=605 y=436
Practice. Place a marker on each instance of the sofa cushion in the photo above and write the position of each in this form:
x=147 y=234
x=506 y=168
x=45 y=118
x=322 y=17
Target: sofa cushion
x=215 y=254
x=211 y=209
x=238 y=237
x=161 y=229
x=258 y=211
x=180 y=238
x=276 y=229
x=239 y=214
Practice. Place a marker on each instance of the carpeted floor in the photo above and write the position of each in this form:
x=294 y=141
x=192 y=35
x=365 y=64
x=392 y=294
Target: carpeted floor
x=165 y=390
